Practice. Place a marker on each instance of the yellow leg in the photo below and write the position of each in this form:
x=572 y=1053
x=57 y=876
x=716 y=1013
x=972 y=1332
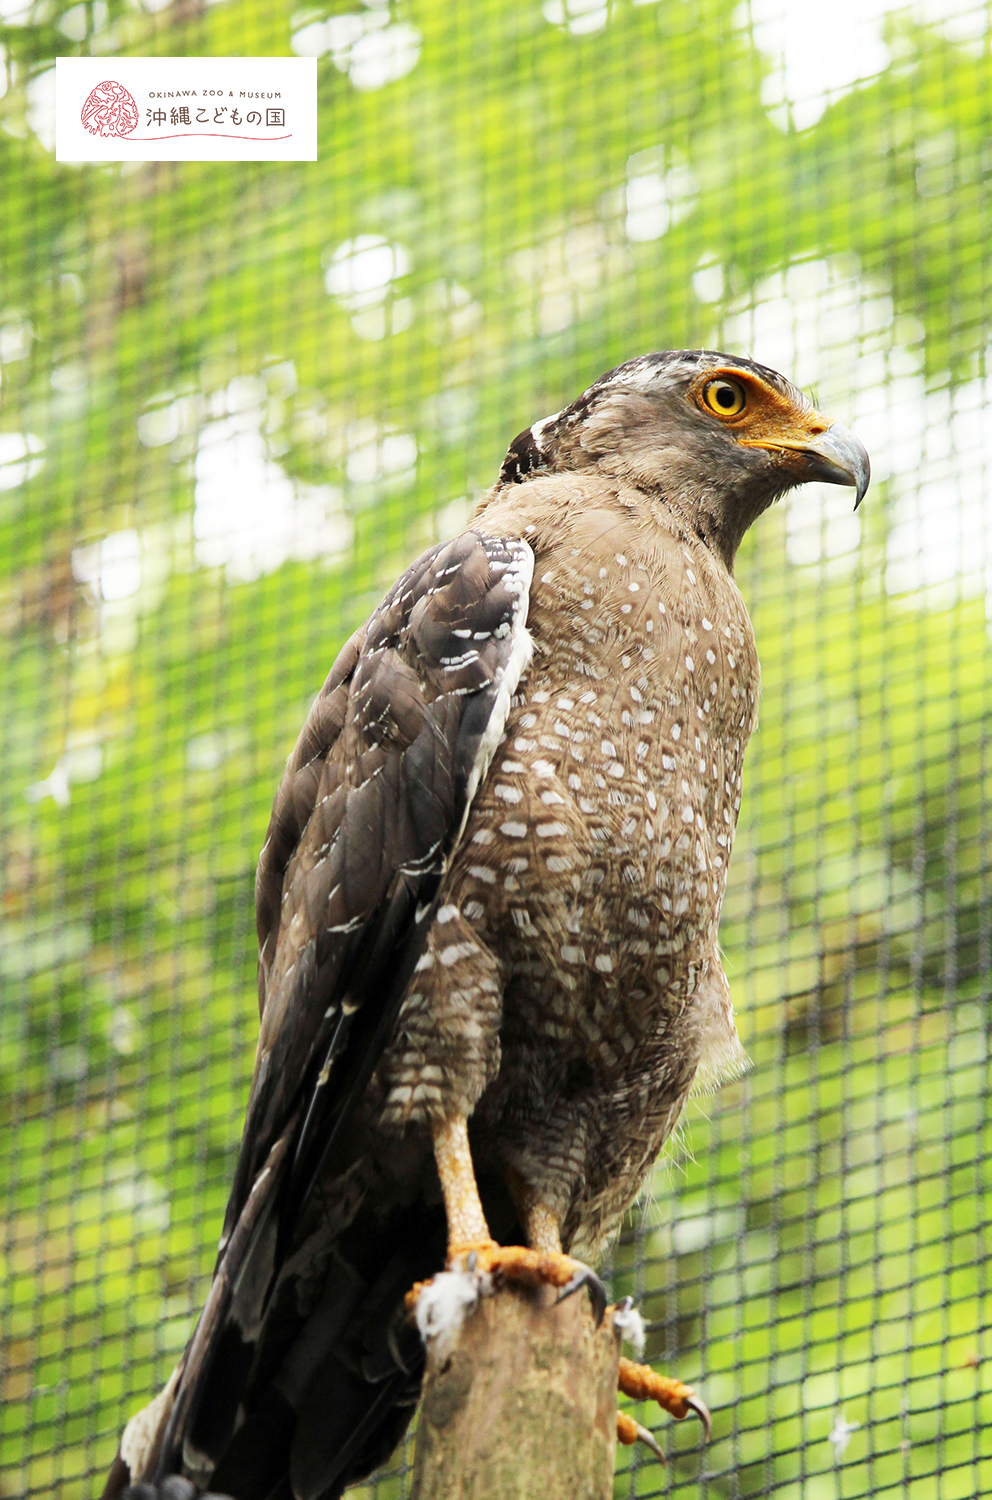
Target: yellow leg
x=540 y=1224
x=466 y=1222
x=469 y=1240
x=542 y=1229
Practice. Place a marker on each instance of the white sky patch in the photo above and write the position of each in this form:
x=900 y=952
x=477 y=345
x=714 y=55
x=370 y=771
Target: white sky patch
x=660 y=190
x=20 y=458
x=361 y=274
x=112 y=566
x=453 y=309
x=70 y=378
x=249 y=515
x=816 y=58
x=16 y=12
x=125 y=574
x=379 y=455
x=206 y=752
x=82 y=20
x=16 y=337
x=81 y=760
x=44 y=942
x=452 y=518
x=40 y=111
x=565 y=276
x=169 y=417
x=708 y=281
x=830 y=328
x=143 y=1197
x=364 y=44
x=577 y=16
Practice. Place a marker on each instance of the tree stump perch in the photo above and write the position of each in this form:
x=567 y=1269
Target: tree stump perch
x=523 y=1405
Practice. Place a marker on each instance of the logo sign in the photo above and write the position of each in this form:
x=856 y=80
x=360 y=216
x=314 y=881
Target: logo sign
x=186 y=108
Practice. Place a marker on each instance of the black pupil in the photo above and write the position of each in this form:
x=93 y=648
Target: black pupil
x=726 y=396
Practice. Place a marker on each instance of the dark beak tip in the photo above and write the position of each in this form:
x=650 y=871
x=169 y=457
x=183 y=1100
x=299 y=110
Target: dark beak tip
x=838 y=457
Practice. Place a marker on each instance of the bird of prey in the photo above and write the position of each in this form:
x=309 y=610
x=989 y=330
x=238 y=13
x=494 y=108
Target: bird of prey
x=487 y=914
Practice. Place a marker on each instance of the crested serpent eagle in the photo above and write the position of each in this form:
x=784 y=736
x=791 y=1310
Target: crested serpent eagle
x=487 y=913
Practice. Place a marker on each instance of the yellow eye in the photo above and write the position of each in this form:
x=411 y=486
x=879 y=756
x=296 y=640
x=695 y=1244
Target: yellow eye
x=724 y=397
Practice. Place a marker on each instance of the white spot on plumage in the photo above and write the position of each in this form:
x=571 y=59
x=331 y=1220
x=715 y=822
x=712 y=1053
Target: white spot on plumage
x=455 y=952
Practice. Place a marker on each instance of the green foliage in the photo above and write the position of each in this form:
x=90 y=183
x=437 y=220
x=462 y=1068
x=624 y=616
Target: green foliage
x=822 y=1249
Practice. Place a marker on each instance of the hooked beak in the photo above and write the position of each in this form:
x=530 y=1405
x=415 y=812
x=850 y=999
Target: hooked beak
x=838 y=457
x=834 y=455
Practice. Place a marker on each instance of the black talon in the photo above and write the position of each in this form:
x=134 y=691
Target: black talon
x=585 y=1276
x=698 y=1405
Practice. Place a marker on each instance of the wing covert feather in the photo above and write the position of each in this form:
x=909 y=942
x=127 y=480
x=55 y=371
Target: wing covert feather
x=372 y=803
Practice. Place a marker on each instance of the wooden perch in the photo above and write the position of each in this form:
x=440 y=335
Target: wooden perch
x=523 y=1406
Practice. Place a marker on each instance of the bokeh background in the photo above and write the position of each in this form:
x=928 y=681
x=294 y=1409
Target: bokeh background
x=235 y=400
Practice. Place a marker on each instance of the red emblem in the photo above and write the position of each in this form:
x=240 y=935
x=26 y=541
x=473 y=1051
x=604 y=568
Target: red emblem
x=109 y=110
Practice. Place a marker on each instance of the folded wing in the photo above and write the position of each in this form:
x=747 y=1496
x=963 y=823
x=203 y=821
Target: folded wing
x=372 y=804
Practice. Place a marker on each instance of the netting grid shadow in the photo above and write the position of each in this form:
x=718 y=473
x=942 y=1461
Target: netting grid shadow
x=236 y=399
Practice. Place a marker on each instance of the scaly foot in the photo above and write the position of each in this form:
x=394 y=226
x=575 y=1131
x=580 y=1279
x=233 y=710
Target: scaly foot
x=640 y=1383
x=525 y=1267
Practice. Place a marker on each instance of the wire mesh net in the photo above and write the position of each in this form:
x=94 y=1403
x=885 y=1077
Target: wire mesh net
x=237 y=399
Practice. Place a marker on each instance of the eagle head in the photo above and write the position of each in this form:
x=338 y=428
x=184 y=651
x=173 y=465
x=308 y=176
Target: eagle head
x=716 y=437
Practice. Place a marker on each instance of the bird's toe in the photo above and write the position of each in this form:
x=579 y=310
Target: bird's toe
x=640 y=1383
x=585 y=1276
x=629 y=1432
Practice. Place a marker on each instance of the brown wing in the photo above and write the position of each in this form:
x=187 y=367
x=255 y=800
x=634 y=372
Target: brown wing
x=373 y=801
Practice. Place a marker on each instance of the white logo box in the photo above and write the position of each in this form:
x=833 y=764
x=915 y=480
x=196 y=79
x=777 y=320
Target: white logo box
x=186 y=109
